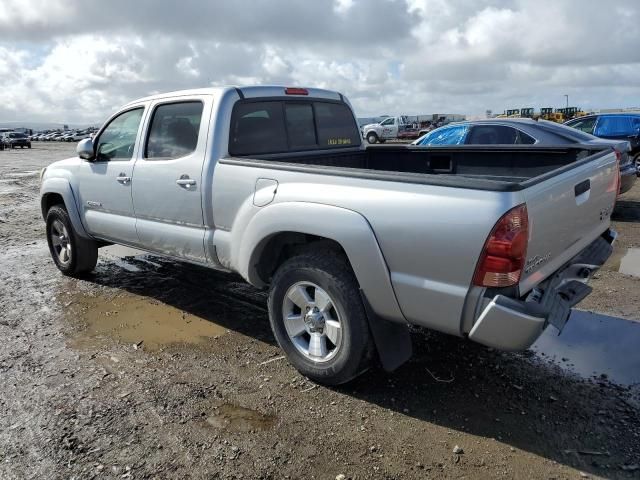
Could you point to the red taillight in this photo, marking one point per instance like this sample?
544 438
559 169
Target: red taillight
505 251
296 91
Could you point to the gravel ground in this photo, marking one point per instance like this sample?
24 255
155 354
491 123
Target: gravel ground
155 369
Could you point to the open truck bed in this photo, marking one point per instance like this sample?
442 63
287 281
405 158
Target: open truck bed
500 168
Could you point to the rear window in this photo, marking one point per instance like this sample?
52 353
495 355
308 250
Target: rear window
261 127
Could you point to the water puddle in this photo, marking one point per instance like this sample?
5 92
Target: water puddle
136 320
630 262
595 345
239 419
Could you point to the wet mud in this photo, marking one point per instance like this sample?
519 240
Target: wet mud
150 368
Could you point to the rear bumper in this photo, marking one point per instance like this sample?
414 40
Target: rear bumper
509 324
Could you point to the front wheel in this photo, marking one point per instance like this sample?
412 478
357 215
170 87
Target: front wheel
372 138
318 318
72 254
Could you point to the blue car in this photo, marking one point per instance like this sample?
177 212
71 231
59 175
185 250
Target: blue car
614 126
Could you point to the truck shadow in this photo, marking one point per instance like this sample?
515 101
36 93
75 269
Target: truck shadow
519 399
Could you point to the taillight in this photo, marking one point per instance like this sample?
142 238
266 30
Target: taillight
505 251
296 91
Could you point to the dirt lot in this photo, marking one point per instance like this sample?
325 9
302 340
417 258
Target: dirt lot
155 369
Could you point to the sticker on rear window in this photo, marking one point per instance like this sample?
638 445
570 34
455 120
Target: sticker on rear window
339 141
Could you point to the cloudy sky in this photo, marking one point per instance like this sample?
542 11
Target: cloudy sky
77 60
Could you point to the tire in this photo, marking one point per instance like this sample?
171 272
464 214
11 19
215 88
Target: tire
382 140
81 254
29 146
372 138
636 162
348 356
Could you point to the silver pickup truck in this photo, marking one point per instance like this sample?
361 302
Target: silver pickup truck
354 243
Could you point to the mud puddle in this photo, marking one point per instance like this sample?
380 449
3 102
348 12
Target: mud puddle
135 320
595 345
240 419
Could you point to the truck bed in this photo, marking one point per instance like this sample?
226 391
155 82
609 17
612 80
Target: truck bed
502 168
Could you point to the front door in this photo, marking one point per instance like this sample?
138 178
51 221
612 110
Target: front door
167 178
389 128
104 184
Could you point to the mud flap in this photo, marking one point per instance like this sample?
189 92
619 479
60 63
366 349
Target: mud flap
393 341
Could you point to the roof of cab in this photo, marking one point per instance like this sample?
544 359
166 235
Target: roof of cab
246 91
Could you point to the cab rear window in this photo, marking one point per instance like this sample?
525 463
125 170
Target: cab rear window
275 126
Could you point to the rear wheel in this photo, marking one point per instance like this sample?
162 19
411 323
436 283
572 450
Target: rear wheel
72 254
318 318
636 161
372 137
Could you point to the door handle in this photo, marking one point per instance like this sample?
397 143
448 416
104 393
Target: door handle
185 181
123 178
582 187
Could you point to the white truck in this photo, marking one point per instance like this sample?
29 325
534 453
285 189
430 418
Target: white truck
392 128
354 243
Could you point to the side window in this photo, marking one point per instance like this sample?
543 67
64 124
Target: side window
613 126
585 125
524 139
446 136
173 132
300 125
492 135
256 128
388 121
117 140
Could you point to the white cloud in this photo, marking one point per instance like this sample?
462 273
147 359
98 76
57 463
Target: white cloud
76 61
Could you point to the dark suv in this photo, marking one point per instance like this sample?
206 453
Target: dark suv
618 126
15 140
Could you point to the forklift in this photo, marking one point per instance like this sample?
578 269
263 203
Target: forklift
513 113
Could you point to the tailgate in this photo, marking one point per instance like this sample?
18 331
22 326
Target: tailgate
568 209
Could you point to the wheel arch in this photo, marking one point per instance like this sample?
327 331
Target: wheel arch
276 231
56 191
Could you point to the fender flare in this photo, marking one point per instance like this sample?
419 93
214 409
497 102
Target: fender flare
62 187
352 231
346 227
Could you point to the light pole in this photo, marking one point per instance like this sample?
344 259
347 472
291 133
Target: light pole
567 97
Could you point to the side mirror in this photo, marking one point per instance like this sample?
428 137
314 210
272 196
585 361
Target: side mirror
85 149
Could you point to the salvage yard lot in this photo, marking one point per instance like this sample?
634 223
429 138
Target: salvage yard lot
152 368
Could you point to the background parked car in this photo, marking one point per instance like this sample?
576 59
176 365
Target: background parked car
15 140
524 131
623 126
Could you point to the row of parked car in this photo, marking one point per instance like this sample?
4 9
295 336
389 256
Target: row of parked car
68 136
620 130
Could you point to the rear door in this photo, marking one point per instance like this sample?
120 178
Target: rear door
167 177
567 212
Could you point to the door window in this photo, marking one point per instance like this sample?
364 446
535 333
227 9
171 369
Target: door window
388 122
586 125
492 135
173 132
117 140
614 126
524 139
446 136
